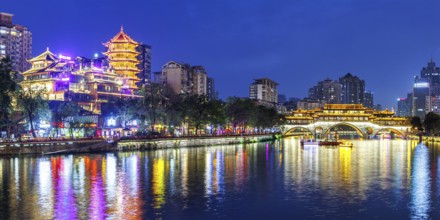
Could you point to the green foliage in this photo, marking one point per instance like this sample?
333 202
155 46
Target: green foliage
7 88
240 111
153 104
160 105
416 123
66 110
126 110
432 123
245 112
33 105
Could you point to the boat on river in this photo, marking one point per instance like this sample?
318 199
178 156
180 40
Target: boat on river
346 144
329 143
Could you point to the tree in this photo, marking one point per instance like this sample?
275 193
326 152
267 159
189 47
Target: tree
198 106
416 123
126 110
151 107
31 102
264 117
216 113
432 123
68 110
239 111
7 88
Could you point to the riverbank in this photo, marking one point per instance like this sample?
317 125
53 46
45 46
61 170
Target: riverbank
100 145
124 145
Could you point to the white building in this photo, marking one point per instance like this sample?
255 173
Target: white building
264 90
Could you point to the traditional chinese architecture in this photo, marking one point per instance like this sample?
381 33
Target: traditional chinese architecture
89 82
122 56
345 121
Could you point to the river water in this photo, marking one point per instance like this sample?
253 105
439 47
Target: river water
373 179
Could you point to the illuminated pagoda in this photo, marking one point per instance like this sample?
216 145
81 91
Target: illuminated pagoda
122 56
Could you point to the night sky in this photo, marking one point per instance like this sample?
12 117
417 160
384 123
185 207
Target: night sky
294 42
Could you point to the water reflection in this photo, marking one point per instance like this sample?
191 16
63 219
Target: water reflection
243 181
421 187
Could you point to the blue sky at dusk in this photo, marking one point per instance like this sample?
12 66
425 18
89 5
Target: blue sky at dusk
294 42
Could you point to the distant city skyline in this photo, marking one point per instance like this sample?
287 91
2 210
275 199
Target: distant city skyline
294 43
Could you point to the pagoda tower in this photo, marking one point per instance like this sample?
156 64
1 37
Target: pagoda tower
123 59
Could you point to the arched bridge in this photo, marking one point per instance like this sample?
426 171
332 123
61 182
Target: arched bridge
344 119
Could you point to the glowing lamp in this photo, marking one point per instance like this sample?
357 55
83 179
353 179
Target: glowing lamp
111 122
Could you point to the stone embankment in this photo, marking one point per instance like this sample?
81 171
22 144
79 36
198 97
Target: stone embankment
55 147
190 142
99 145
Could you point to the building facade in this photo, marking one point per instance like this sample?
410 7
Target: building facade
432 73
144 63
352 89
178 77
15 42
157 77
309 104
122 54
212 94
369 99
183 78
328 91
200 80
264 90
421 90
404 106
89 82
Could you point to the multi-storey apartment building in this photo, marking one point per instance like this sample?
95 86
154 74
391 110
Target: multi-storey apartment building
353 89
264 90
15 42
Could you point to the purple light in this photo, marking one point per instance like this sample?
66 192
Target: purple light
64 57
65 79
97 69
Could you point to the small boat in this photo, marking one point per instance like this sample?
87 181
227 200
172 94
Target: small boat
329 143
309 143
346 144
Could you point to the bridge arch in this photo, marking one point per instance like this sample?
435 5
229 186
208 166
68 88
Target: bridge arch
390 129
358 130
298 129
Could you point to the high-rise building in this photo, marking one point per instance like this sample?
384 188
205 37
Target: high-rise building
282 98
144 62
157 77
123 59
178 77
368 99
328 91
264 90
432 73
15 42
352 89
212 94
433 104
186 79
200 80
421 89
404 106
310 104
